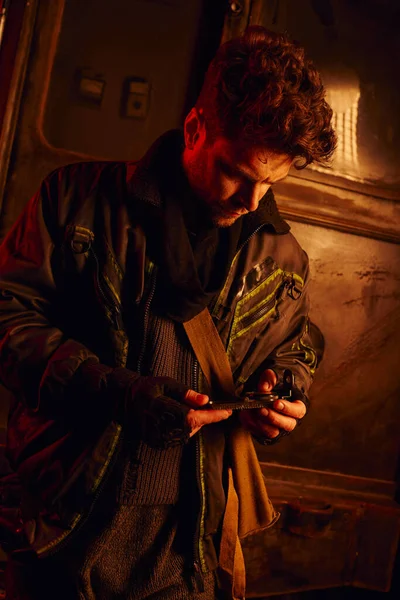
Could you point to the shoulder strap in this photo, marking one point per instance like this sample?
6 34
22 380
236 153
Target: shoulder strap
248 508
210 352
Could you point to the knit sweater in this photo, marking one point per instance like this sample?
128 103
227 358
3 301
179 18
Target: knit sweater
147 549
152 476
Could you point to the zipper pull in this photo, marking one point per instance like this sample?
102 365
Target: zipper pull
198 577
293 291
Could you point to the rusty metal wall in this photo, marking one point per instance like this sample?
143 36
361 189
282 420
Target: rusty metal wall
352 426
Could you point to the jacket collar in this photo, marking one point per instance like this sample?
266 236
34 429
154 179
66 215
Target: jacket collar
143 182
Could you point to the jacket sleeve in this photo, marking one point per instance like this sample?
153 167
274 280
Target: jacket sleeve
36 357
301 351
49 372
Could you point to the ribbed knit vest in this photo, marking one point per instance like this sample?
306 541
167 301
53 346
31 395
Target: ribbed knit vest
152 476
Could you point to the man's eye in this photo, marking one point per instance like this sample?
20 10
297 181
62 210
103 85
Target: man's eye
230 173
233 177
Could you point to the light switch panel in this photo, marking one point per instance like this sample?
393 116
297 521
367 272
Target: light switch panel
136 98
89 86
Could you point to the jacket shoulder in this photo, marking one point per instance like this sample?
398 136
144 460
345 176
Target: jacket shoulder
71 191
286 251
85 176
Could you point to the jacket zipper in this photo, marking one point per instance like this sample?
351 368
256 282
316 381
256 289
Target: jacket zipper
146 313
258 314
216 302
288 286
199 565
198 554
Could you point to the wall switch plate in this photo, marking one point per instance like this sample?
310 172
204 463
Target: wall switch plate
136 97
89 86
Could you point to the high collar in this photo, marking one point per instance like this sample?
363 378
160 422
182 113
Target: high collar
144 183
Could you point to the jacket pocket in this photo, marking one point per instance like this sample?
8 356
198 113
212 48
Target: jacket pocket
81 242
256 306
96 278
260 308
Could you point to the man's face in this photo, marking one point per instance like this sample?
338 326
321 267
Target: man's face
231 177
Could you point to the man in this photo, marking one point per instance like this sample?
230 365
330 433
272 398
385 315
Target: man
122 480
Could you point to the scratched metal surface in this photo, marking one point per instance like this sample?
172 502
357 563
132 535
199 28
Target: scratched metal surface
352 426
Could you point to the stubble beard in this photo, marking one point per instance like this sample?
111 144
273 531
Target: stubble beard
220 221
212 207
218 214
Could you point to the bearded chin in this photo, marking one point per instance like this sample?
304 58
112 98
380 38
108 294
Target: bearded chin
213 210
221 223
219 220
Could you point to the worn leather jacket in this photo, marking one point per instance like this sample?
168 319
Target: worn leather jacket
65 269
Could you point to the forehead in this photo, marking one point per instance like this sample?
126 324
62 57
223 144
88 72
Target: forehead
259 161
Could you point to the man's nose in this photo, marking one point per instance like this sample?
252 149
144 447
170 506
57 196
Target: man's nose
253 195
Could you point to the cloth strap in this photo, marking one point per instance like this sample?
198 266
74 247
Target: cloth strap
248 508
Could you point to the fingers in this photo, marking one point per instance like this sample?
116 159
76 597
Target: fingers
269 422
267 381
296 408
270 417
197 418
194 399
252 423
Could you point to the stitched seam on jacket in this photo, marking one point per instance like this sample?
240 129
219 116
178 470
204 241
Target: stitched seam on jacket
236 320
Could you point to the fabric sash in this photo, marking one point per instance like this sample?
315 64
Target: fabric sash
248 508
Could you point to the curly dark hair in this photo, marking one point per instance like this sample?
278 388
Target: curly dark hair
261 87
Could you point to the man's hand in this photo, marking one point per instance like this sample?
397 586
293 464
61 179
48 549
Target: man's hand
197 418
162 411
269 422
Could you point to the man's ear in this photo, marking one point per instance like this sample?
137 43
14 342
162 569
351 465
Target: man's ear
194 128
